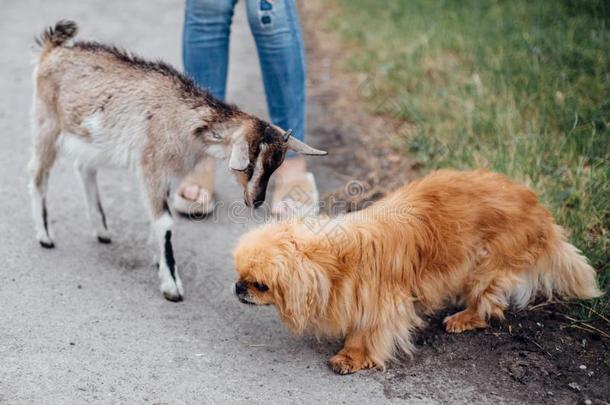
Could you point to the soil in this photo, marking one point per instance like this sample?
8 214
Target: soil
541 355
535 356
364 149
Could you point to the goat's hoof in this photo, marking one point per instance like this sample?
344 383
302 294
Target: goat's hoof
171 285
104 239
45 240
47 244
173 297
172 290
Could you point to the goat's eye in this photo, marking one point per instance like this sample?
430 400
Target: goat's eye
261 287
216 135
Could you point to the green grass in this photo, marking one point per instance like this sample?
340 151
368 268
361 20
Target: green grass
520 87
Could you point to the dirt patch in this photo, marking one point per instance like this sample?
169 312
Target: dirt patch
535 356
365 149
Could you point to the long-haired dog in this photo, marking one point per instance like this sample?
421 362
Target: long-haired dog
474 238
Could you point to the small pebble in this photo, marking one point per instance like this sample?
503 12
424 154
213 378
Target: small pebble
72 343
588 402
574 386
582 367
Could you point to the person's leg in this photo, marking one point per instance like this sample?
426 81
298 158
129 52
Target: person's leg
205 43
205 56
276 30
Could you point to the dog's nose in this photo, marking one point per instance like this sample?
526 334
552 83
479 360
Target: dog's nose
240 288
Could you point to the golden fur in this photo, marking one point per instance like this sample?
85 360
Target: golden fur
475 238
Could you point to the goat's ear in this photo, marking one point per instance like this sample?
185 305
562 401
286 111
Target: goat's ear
240 156
303 148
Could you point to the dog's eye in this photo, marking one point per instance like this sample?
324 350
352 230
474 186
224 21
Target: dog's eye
261 287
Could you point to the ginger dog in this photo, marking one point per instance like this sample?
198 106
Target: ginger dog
473 238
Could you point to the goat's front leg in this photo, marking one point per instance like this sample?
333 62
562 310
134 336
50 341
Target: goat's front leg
171 285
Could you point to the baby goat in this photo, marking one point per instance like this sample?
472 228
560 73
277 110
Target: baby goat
108 107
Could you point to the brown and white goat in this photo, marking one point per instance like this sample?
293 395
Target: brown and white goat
106 106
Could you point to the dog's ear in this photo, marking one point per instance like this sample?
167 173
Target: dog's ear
297 297
303 290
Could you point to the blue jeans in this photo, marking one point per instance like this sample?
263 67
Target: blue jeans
276 31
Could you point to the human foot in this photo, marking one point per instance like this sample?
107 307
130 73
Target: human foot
195 196
295 191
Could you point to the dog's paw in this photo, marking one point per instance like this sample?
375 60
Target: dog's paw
342 363
463 321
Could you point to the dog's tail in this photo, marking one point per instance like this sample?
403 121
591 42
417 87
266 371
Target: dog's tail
52 37
563 272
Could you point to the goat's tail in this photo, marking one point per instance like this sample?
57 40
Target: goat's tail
52 37
563 272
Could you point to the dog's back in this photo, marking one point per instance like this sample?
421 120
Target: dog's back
475 234
109 103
